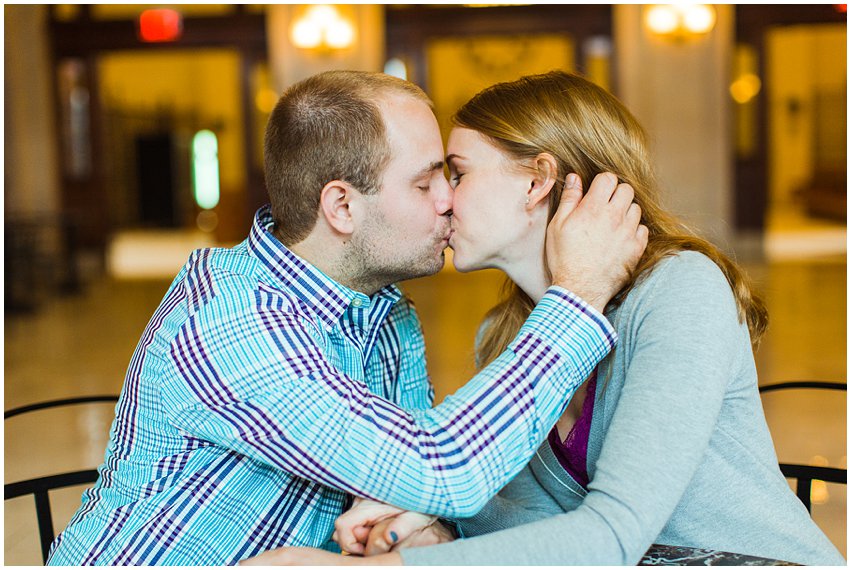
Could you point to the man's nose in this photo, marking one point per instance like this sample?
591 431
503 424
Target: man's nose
443 202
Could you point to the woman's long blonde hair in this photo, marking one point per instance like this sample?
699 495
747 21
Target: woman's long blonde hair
588 131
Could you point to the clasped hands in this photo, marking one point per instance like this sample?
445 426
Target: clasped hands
370 529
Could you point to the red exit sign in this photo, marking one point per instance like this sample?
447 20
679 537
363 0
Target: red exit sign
161 25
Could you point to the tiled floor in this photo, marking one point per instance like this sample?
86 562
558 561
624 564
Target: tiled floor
81 345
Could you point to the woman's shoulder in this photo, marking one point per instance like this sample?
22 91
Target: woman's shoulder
682 277
684 264
683 269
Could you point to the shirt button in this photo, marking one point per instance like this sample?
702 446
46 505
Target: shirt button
357 303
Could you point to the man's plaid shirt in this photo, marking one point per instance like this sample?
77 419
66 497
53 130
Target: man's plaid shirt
262 394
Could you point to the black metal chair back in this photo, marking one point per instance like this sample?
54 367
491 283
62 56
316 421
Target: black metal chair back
40 487
805 474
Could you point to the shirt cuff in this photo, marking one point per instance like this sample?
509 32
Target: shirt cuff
453 525
570 325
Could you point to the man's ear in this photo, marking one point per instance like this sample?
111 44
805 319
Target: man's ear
543 179
334 202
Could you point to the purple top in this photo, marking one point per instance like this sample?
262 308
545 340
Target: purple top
573 451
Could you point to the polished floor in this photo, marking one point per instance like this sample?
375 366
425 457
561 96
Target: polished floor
80 345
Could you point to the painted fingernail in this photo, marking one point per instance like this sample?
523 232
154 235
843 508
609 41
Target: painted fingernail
394 537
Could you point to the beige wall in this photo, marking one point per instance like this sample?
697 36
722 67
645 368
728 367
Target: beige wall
31 166
458 68
679 93
205 82
290 64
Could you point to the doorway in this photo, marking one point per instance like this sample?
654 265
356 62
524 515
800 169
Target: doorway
806 97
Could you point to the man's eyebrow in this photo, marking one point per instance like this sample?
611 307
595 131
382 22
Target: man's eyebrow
436 165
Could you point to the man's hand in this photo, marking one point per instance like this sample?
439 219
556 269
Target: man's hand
352 528
594 242
371 528
407 530
301 556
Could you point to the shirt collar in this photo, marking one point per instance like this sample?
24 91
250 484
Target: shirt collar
327 297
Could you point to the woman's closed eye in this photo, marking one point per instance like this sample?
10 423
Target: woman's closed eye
456 179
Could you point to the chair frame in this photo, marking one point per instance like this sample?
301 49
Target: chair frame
56 404
40 487
805 474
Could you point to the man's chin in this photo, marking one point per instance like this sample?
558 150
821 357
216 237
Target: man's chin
436 266
426 269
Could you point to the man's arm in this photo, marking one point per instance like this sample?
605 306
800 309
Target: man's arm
515 506
260 385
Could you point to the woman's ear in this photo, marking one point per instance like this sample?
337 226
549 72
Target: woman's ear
334 205
543 179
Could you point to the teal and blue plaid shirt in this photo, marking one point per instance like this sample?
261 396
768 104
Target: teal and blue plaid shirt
262 394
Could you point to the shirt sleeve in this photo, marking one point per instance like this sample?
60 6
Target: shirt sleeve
262 387
687 343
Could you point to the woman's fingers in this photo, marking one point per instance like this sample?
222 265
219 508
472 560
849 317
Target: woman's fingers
390 532
379 541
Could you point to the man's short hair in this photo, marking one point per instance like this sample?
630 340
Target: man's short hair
326 127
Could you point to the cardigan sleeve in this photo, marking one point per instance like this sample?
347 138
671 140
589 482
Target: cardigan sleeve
685 338
520 502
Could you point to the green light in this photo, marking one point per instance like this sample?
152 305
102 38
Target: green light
205 169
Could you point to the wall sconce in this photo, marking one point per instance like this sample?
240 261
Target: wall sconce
321 26
745 88
680 21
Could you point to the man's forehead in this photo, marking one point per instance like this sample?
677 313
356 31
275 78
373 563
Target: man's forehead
402 108
392 97
412 123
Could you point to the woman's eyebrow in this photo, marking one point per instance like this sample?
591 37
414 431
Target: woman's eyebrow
452 157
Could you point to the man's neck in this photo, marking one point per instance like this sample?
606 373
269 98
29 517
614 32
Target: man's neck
335 261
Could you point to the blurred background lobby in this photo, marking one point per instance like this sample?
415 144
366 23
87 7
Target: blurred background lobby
133 135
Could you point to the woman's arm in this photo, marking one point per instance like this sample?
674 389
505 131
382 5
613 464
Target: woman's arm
520 502
686 339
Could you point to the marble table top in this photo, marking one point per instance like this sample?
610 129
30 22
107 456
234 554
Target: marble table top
663 555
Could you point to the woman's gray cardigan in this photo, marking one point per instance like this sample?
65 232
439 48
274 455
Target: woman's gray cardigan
679 451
